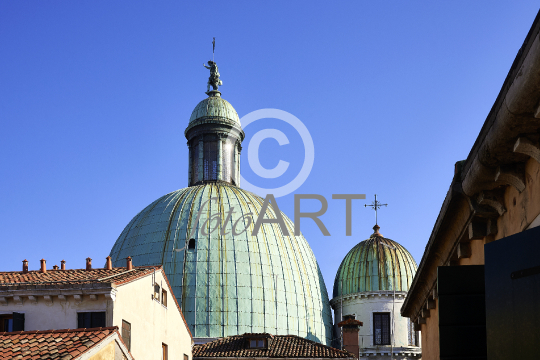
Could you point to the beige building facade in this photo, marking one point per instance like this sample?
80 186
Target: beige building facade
137 300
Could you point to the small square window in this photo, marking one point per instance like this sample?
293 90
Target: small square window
6 323
257 343
164 297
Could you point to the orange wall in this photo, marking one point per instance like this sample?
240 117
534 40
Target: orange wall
521 209
430 335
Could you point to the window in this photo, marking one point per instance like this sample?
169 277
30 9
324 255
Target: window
156 291
381 328
186 357
210 163
164 297
257 343
6 323
91 319
165 352
191 244
195 163
126 334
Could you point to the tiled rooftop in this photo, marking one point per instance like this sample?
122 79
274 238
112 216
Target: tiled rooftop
280 346
51 344
116 276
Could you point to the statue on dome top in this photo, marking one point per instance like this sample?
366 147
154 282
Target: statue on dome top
213 80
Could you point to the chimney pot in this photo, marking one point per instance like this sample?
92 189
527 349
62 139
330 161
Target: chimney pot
63 265
129 264
43 266
108 264
88 264
55 267
25 266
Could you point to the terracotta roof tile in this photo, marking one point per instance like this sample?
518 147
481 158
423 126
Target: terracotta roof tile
52 344
117 276
280 346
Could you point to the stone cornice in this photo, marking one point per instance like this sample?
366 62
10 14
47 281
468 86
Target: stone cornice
19 296
365 295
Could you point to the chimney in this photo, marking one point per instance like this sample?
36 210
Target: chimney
88 264
24 266
43 266
351 328
129 264
55 267
63 265
108 264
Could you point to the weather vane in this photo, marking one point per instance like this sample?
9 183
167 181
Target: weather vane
376 205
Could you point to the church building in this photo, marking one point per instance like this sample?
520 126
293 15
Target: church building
227 281
370 287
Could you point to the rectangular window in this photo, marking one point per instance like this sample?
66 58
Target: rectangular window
381 328
6 323
186 357
156 291
126 334
257 343
165 352
164 297
195 163
90 319
210 163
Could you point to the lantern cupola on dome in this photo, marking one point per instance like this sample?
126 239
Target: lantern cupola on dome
214 138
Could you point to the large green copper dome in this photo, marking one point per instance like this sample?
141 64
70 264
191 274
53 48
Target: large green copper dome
372 265
230 284
227 281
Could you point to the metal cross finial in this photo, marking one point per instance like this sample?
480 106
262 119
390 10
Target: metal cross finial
376 205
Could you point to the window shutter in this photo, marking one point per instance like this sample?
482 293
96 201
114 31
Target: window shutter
126 333
18 322
98 319
462 312
512 296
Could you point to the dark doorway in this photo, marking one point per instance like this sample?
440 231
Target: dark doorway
462 312
513 296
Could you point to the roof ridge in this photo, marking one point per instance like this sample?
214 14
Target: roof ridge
82 269
114 328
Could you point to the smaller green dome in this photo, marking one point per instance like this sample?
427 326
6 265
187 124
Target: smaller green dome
372 265
214 107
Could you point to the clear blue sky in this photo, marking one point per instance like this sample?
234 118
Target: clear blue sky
95 96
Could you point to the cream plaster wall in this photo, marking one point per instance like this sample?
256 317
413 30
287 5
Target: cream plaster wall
58 314
107 353
364 307
151 323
